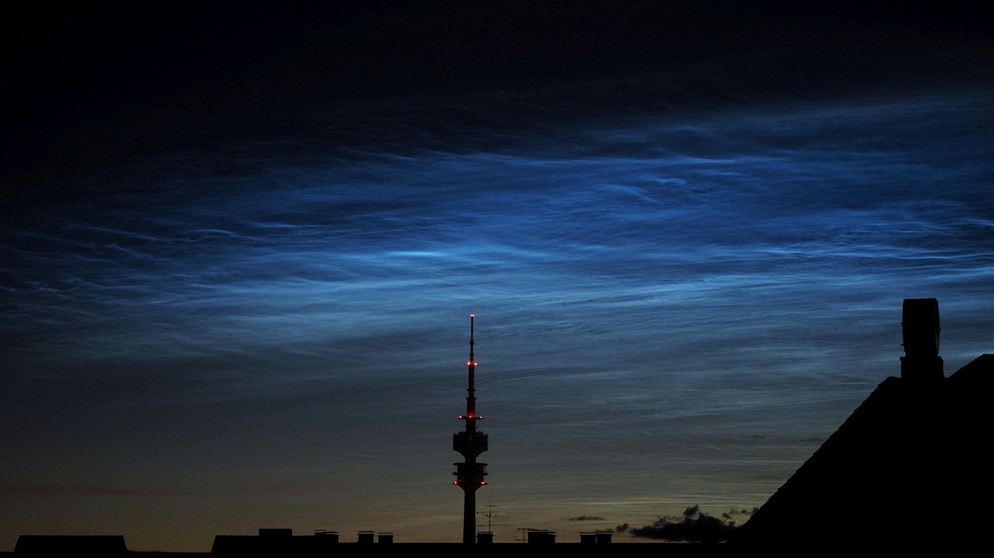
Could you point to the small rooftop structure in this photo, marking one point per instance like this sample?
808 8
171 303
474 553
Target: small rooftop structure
541 536
276 542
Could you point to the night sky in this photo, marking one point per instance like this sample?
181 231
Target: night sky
241 248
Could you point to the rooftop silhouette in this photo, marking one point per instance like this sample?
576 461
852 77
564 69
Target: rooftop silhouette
913 463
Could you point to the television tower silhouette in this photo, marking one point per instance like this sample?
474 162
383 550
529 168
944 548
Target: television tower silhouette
470 443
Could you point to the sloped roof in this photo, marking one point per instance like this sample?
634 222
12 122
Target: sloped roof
911 465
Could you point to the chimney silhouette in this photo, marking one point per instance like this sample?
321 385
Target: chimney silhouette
920 326
470 443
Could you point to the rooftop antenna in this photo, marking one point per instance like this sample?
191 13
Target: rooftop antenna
490 514
470 443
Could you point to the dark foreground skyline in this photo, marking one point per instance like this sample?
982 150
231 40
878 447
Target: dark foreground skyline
240 248
919 441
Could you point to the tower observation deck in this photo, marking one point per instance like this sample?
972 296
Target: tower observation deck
470 443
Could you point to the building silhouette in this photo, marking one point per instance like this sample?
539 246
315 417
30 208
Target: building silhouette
71 545
912 465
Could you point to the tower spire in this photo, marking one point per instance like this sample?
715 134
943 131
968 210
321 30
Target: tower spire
471 389
470 443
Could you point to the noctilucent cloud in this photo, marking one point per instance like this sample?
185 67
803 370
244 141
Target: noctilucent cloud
682 285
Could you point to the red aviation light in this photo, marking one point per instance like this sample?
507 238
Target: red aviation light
471 363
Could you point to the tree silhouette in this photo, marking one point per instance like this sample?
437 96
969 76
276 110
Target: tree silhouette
694 526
